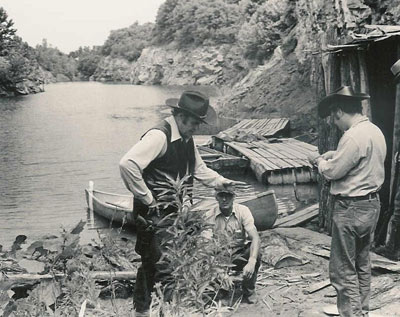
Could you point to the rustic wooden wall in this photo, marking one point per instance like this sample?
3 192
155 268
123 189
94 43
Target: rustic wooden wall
345 67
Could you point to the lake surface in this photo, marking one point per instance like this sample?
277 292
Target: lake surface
53 143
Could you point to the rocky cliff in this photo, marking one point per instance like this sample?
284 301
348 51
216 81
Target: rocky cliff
285 84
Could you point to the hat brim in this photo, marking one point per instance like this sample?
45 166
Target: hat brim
324 106
173 103
225 192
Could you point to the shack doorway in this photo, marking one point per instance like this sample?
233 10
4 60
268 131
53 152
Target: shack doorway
380 56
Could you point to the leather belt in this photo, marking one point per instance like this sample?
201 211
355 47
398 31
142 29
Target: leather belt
370 196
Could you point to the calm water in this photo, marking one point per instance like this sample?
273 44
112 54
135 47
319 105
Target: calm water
53 143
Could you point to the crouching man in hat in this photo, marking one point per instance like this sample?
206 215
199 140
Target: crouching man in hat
236 221
356 171
165 151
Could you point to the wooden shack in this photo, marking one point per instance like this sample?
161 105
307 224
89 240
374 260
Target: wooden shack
364 63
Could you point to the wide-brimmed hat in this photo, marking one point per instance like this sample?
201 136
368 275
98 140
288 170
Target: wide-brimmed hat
343 93
395 69
192 102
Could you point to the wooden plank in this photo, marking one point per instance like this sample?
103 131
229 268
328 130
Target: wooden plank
298 221
281 151
364 87
284 149
299 216
251 155
315 287
26 278
282 162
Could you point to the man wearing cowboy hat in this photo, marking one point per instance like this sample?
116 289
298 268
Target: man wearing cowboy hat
236 221
165 151
356 171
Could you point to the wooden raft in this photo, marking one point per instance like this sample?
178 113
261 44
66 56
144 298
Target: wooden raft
264 127
223 163
252 129
280 161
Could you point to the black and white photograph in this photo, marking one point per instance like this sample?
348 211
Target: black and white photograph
177 158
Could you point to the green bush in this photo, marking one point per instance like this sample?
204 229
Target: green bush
198 264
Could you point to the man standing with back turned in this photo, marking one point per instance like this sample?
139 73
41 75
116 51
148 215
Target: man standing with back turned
356 171
166 150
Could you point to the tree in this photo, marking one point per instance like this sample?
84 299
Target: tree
7 32
128 43
200 22
264 31
54 61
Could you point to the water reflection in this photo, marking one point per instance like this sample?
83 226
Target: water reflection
53 143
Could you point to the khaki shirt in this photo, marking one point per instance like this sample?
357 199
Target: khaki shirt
237 225
357 166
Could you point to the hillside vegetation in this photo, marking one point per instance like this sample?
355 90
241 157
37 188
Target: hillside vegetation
264 54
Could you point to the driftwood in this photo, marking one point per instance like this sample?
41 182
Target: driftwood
299 217
26 278
318 286
276 253
318 244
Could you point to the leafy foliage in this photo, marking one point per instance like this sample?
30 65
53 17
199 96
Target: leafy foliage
54 61
128 42
263 32
197 22
71 265
7 31
88 60
197 264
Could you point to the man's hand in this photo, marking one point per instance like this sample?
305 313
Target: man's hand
313 158
248 270
328 155
230 182
153 207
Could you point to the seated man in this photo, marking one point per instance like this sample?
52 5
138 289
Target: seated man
238 222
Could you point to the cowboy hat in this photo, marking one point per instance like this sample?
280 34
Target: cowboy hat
344 92
395 69
192 102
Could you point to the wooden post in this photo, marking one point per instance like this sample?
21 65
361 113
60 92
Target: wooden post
396 128
328 136
364 87
345 78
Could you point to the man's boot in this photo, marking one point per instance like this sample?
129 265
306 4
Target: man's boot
392 249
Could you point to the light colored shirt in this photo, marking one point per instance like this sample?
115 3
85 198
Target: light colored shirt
154 145
357 166
237 225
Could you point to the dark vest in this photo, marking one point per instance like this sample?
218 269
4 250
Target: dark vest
178 158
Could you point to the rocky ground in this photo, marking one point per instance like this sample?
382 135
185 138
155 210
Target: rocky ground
296 285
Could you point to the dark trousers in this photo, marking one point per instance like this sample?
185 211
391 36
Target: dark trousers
248 285
148 246
353 226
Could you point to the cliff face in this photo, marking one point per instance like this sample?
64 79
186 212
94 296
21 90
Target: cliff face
285 85
169 66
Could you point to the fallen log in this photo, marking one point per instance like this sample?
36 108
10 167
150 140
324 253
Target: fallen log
276 253
26 278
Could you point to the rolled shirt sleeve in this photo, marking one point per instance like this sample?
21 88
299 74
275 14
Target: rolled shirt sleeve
152 145
206 175
247 219
343 160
